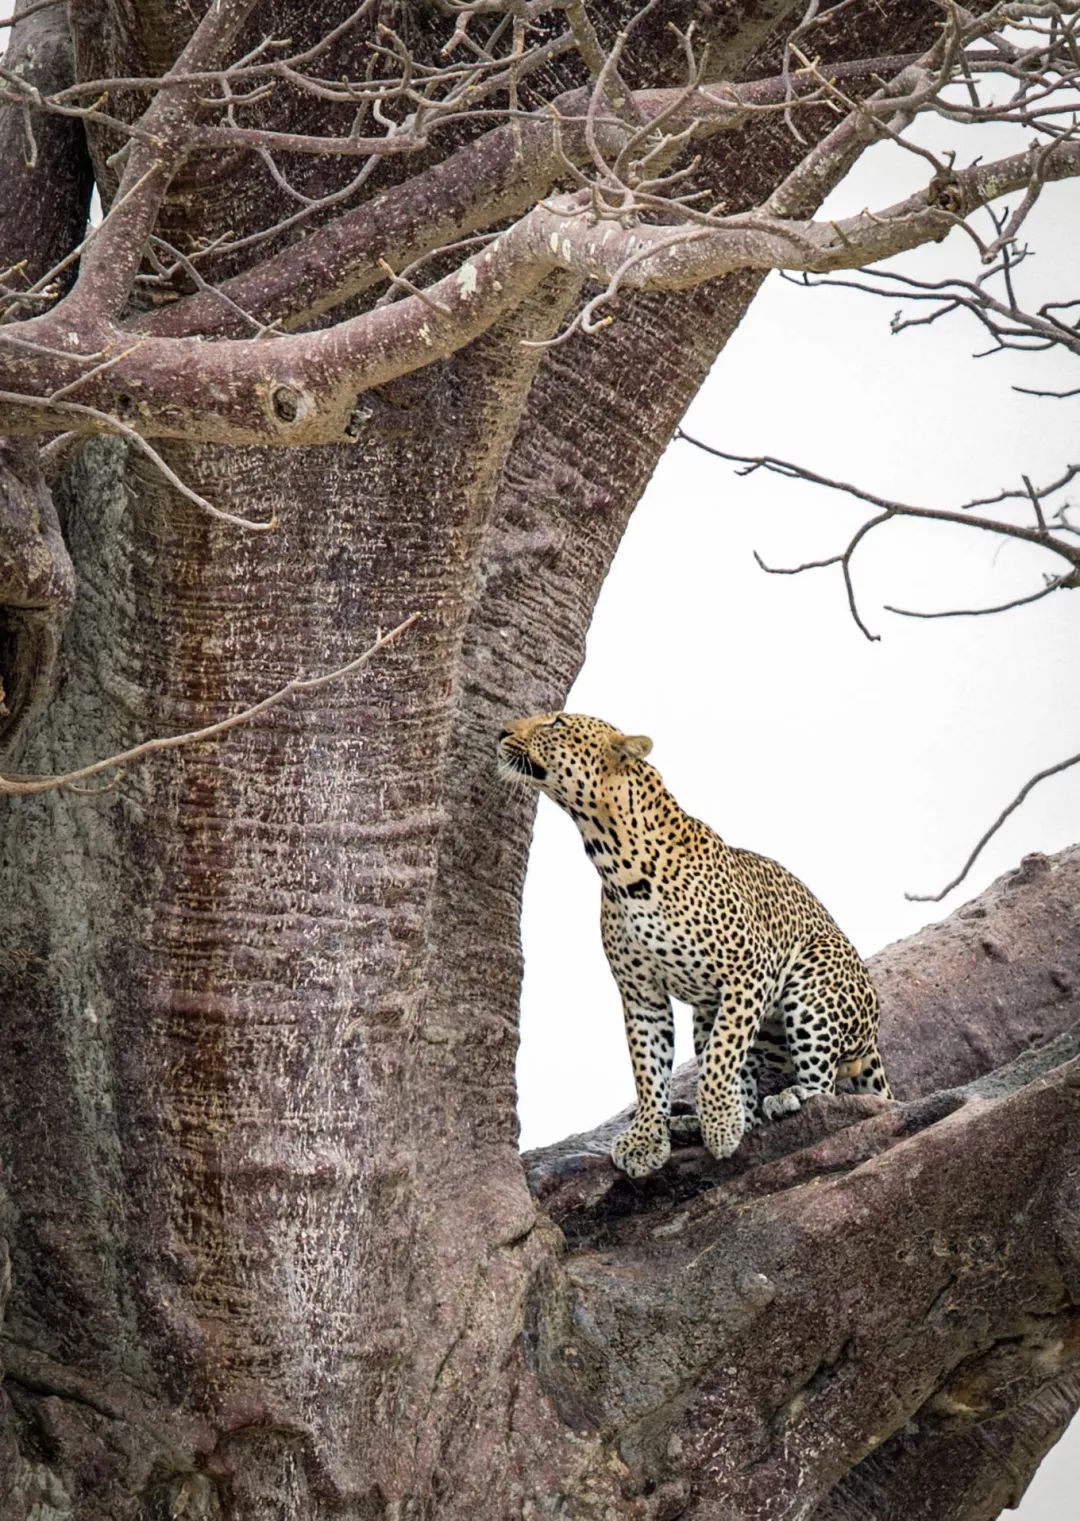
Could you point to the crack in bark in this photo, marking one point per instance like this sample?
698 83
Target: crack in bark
56 1387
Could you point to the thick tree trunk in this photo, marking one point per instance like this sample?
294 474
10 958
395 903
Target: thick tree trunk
272 1250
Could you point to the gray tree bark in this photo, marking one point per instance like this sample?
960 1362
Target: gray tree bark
271 1251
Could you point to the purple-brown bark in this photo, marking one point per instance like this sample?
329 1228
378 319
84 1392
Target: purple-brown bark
273 1253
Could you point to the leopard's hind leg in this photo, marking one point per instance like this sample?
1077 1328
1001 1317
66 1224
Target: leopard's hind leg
828 1010
871 1075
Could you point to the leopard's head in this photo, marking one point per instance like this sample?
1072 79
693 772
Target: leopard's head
570 756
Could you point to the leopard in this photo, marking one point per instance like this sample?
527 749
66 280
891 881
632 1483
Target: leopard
774 984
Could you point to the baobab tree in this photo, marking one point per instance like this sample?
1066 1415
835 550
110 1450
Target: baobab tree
388 315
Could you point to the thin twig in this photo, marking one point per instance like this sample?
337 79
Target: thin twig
110 424
1040 776
399 282
1054 583
22 786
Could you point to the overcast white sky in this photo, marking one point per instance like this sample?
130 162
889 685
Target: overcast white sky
867 769
870 769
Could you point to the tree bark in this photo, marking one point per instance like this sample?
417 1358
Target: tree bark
36 231
272 1249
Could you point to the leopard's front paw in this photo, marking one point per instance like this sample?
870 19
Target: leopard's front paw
785 1102
641 1150
721 1134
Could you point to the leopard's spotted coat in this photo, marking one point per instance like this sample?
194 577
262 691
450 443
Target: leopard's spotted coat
772 980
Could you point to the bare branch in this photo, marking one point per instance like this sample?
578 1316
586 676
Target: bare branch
45 289
384 146
1040 776
323 372
1053 584
637 222
215 292
400 282
20 92
888 509
1009 324
1044 492
844 562
23 786
110 261
498 176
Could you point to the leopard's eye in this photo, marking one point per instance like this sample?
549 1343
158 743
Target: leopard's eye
557 723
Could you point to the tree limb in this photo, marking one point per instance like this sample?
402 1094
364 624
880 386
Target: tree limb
673 1323
110 260
499 175
303 388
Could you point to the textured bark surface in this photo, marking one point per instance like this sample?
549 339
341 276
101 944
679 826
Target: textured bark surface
36 230
272 1250
47 175
37 589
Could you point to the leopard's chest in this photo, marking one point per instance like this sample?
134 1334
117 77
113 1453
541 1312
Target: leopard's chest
677 933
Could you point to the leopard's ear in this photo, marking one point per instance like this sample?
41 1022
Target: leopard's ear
630 747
